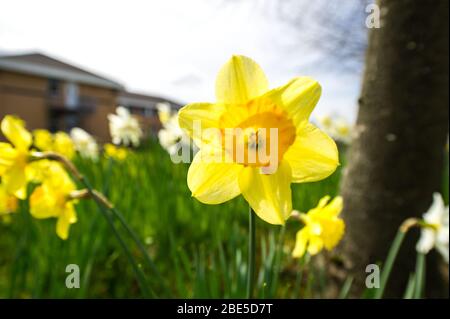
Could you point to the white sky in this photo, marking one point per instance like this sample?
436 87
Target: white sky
173 48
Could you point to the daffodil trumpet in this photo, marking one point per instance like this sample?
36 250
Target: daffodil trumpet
36 156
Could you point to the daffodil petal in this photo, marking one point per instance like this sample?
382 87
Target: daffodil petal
313 156
7 156
16 133
71 214
43 139
42 205
62 227
334 233
240 80
298 97
315 245
63 145
323 201
195 118
213 182
269 195
301 243
427 240
14 180
334 208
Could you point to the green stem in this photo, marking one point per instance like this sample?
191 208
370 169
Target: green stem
299 277
393 251
420 276
251 253
409 292
137 270
141 247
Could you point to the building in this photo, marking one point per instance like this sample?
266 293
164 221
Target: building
49 93
144 107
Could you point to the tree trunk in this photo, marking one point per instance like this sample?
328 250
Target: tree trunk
396 159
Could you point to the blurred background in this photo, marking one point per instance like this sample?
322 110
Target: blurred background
171 50
66 64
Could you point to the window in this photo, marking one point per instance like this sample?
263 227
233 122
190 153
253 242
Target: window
71 95
54 87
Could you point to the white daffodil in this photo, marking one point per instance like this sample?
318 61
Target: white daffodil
325 121
171 137
436 231
124 128
84 143
337 127
342 130
164 112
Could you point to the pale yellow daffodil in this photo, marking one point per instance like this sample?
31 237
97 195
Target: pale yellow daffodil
115 152
323 228
59 142
8 202
164 112
43 139
14 157
54 199
245 106
63 144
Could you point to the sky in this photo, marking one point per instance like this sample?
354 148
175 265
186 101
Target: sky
171 48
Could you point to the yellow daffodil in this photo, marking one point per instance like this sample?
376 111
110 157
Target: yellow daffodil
63 145
117 153
59 142
54 199
323 228
43 139
8 202
245 110
14 157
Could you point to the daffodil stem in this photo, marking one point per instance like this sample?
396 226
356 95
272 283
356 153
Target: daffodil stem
141 247
104 210
393 252
251 253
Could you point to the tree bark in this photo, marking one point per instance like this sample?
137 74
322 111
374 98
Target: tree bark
396 159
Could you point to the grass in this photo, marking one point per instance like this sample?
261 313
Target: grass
199 251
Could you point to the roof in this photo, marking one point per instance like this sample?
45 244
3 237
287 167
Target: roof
46 66
127 98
